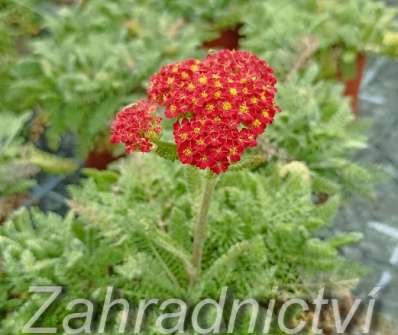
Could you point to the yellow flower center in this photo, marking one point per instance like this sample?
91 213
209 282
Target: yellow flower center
233 91
226 106
243 108
256 123
191 86
217 83
203 80
202 121
233 151
188 152
210 107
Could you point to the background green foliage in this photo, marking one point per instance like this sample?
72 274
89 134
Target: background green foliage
18 23
318 128
15 168
20 161
89 58
94 58
340 29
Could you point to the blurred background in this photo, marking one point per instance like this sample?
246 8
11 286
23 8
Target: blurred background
66 68
378 219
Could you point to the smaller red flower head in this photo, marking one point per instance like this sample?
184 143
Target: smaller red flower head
136 126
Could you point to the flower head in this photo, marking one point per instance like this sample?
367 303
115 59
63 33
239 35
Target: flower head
135 126
223 103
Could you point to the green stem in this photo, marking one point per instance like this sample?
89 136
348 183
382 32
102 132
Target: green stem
200 228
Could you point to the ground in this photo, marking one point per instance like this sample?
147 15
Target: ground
378 220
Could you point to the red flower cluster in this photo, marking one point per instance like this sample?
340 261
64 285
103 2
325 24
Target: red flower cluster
223 102
135 126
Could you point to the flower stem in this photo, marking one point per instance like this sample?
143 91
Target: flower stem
200 228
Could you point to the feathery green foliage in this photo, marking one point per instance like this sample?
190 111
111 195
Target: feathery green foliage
329 32
132 229
316 126
20 161
19 21
94 58
15 169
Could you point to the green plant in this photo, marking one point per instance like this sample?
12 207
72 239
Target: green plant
15 171
20 161
134 232
176 231
316 126
94 58
339 30
141 226
19 21
213 15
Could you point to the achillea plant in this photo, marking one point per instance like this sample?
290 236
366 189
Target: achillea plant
220 106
